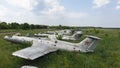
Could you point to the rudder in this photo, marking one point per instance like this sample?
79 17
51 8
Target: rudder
88 44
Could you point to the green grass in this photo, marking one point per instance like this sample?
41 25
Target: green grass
106 55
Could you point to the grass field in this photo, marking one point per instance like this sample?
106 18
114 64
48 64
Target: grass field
106 55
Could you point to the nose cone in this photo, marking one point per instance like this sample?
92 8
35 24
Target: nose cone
6 37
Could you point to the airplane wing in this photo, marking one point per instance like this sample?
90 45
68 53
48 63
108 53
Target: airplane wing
33 52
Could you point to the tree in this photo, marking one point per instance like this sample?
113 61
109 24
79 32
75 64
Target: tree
3 25
14 25
32 26
25 26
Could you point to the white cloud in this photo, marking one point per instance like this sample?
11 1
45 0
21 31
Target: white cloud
52 14
52 7
118 1
100 3
25 4
22 16
55 10
118 6
3 10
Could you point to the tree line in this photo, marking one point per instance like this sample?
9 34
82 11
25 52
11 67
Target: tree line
24 26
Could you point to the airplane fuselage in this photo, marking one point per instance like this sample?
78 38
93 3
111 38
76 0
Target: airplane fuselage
57 44
86 45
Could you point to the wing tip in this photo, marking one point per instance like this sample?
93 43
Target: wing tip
21 56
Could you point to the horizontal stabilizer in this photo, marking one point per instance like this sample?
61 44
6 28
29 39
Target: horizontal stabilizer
93 37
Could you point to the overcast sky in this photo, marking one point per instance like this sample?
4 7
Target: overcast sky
102 13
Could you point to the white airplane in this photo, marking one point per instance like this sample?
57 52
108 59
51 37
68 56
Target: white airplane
75 36
40 47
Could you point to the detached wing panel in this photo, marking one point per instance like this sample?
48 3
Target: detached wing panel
33 52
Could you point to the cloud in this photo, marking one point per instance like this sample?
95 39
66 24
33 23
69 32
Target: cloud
54 10
118 5
52 7
3 10
100 3
25 4
6 13
52 14
9 15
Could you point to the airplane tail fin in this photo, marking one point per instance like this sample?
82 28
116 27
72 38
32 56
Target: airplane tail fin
77 35
88 44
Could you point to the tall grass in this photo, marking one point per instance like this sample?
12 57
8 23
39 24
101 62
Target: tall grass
106 55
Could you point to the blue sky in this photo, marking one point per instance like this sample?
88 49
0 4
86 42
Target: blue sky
99 13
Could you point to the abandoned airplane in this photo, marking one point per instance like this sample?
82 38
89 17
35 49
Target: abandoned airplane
40 47
75 36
